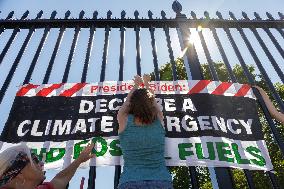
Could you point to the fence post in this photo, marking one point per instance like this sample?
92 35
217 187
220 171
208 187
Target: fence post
220 177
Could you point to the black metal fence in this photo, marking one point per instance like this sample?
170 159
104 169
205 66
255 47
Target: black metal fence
192 63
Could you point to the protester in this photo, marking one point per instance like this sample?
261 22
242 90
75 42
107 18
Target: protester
142 140
21 169
271 108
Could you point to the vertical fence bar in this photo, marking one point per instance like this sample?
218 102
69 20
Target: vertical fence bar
92 178
206 51
195 68
277 28
138 47
249 179
10 15
170 49
281 15
105 53
12 37
267 52
17 60
154 49
271 36
89 48
73 46
122 48
38 51
54 53
273 180
92 172
259 65
1 30
191 54
221 50
117 171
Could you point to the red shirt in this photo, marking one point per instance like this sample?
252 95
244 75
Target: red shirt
45 185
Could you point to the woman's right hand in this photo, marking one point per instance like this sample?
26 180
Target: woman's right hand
137 80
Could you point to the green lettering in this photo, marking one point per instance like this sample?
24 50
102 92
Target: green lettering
182 152
50 155
78 149
223 152
40 155
210 148
115 150
238 156
254 152
104 146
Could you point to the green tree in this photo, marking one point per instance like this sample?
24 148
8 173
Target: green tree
181 174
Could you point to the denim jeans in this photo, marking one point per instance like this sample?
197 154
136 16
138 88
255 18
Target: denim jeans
147 184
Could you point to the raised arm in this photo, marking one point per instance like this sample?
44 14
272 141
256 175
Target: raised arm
147 79
124 109
271 108
61 180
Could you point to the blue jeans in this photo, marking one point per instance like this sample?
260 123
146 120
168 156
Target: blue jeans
147 184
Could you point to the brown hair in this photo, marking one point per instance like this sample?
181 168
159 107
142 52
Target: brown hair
142 106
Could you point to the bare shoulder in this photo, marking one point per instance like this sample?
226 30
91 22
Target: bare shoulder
121 119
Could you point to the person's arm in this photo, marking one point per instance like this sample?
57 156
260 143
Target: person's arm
61 180
270 106
124 109
147 79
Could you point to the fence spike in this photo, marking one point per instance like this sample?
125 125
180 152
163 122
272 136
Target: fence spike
245 15
193 15
206 14
67 14
53 14
232 15
269 16
25 15
10 15
219 15
177 7
163 14
257 16
150 14
81 15
39 15
136 14
95 15
123 14
109 13
281 15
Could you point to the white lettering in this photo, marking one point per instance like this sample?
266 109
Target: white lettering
34 131
173 122
170 104
20 128
83 109
66 127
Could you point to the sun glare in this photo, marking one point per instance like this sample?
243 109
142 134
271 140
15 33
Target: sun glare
193 38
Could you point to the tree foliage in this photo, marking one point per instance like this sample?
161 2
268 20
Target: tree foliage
181 179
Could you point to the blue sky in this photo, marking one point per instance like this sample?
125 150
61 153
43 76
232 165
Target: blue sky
105 174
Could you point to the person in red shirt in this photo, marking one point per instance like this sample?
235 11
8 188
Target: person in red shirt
21 169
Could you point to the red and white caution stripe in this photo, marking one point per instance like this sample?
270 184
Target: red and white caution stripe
161 87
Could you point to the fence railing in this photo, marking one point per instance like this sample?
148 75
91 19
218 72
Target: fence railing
182 24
